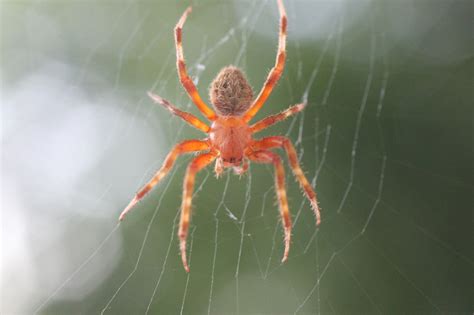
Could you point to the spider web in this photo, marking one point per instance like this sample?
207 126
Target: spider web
382 140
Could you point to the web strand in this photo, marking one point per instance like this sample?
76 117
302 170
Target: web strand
360 114
317 254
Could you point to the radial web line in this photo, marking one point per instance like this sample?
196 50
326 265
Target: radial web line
442 243
216 219
246 34
242 231
78 269
328 127
424 231
299 140
150 45
267 271
311 239
230 33
316 285
383 89
142 247
122 52
265 196
80 77
169 248
318 293
304 98
379 194
156 82
313 181
124 49
360 285
359 120
236 276
323 158
163 267
259 264
331 306
293 17
336 61
93 51
101 43
379 126
417 226
334 254
315 72
325 263
404 276
145 238
139 102
213 265
132 119
317 122
248 188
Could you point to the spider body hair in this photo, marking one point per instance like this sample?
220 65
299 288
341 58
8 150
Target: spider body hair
230 93
230 142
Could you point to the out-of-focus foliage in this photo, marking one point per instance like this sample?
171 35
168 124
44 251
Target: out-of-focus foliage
386 139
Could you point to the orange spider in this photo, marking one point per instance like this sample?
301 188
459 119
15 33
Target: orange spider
229 140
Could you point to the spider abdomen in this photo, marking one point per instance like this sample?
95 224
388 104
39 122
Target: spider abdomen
230 92
230 142
230 136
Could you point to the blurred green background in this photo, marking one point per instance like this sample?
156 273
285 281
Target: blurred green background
386 139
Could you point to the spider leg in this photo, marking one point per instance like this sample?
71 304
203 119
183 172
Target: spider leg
241 169
195 166
270 120
276 71
271 157
189 118
285 143
183 147
186 81
219 167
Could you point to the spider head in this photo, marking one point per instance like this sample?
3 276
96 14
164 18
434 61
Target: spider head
230 92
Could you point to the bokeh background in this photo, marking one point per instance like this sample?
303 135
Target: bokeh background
386 139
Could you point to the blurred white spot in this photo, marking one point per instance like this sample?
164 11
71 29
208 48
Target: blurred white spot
65 160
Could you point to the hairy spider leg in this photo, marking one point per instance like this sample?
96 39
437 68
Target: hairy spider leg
270 120
271 157
285 143
189 118
276 71
181 148
186 81
197 164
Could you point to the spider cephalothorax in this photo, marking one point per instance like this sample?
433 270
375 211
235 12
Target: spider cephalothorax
230 142
230 92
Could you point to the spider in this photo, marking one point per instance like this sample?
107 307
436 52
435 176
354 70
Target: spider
229 139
